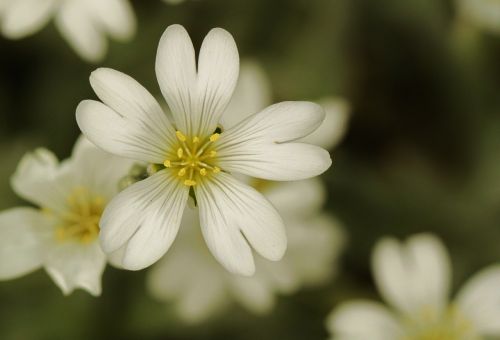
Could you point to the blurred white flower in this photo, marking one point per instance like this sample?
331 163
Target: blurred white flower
484 14
201 287
253 93
414 279
85 24
61 236
194 155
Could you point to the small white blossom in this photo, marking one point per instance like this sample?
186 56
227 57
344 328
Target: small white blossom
60 235
193 153
85 24
414 279
201 287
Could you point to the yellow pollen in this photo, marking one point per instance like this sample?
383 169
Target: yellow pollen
180 152
189 182
180 136
79 221
193 158
214 137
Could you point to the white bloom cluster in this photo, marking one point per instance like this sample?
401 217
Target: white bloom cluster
60 235
414 278
85 24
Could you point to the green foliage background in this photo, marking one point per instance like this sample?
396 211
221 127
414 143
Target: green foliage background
422 152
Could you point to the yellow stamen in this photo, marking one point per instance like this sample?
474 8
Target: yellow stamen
214 137
203 171
189 182
212 153
180 136
196 139
180 152
167 164
216 170
182 172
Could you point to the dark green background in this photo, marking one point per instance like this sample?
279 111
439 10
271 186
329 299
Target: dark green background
422 152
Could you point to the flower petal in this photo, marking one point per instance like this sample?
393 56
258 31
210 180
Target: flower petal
134 104
218 68
252 95
314 246
276 162
176 73
102 180
256 147
37 180
298 198
23 236
334 127
115 16
197 99
360 320
479 300
80 31
228 210
146 217
414 275
253 293
114 134
24 17
72 265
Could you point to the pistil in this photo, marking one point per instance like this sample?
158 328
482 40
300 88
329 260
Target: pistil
193 160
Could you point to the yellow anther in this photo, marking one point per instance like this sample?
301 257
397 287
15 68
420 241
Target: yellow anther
99 201
180 152
214 137
212 153
216 170
180 136
182 172
203 172
196 139
60 234
189 182
167 164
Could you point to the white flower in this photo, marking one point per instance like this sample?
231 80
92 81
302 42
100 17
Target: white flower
194 154
482 13
61 236
414 279
201 287
84 24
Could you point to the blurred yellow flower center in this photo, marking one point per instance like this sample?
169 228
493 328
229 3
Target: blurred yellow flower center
193 158
429 324
80 222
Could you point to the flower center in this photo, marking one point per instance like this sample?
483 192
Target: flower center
429 324
193 158
80 222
